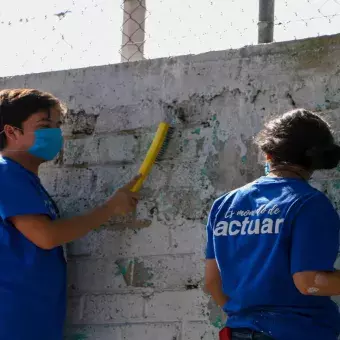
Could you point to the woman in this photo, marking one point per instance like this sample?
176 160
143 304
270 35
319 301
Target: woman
272 244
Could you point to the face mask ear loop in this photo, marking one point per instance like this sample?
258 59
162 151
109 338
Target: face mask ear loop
267 168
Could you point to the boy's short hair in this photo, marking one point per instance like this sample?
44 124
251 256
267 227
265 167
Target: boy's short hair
17 105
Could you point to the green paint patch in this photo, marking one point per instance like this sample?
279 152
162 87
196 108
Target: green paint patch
336 184
122 270
321 107
244 159
186 142
196 131
218 322
214 117
77 336
204 172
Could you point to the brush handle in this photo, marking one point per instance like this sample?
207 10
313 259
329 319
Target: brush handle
152 154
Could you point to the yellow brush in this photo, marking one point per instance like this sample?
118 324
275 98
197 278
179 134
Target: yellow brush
156 150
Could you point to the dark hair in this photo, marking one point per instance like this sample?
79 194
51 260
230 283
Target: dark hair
300 137
17 105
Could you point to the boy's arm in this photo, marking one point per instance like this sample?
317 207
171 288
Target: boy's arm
48 234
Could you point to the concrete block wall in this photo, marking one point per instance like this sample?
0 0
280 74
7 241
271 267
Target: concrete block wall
141 277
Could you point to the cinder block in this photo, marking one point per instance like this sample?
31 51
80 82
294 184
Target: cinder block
101 332
75 309
74 182
188 305
88 275
168 272
190 174
184 204
107 242
72 205
81 151
188 237
121 148
104 309
100 150
48 176
158 179
79 122
200 330
128 116
163 331
160 272
111 178
183 144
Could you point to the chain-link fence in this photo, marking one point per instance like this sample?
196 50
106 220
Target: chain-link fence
297 19
170 27
166 28
50 35
133 29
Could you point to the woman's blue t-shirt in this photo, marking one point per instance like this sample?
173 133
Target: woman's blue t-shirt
261 235
32 280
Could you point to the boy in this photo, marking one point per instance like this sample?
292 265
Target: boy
32 264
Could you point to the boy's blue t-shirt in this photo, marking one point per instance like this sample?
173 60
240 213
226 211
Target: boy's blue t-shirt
32 280
262 234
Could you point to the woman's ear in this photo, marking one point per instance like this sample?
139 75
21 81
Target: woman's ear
268 158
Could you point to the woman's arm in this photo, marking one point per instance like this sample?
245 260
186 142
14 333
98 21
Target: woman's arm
213 282
318 283
314 248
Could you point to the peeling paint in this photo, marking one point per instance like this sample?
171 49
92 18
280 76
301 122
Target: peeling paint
196 131
77 336
125 268
336 184
216 315
141 275
217 322
204 172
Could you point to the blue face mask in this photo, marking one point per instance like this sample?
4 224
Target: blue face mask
47 144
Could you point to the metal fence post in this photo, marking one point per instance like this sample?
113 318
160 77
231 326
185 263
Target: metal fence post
133 30
266 21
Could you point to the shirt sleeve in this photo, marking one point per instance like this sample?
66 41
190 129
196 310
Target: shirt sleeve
20 197
210 251
315 236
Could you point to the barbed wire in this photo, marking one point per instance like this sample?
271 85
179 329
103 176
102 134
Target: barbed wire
97 32
306 18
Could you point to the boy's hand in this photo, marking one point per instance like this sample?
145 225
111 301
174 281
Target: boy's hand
124 201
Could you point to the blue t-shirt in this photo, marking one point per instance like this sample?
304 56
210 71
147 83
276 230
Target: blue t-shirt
262 234
32 280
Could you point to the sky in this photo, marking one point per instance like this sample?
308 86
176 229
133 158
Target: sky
35 39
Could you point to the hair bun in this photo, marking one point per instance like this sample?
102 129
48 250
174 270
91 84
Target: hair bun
323 158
